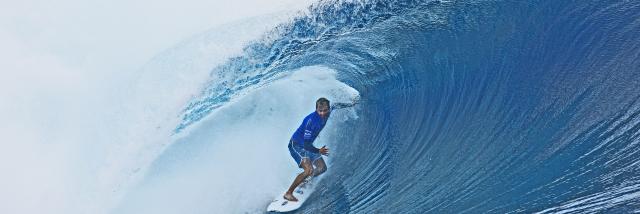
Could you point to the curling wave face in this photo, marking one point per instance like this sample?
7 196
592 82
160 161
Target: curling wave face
482 106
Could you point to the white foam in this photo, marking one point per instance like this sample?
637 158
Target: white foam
78 131
239 158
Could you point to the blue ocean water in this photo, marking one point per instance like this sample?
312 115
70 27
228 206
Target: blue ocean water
465 107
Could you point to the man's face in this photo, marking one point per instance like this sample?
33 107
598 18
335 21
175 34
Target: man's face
323 111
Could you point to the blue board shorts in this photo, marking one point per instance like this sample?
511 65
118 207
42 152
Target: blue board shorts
298 153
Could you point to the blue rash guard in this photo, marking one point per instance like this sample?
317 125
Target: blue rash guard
308 132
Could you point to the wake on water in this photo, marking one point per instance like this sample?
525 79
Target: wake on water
476 107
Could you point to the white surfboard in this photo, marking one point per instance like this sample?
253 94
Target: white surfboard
279 204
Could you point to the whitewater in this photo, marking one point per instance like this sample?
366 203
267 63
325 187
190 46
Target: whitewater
462 107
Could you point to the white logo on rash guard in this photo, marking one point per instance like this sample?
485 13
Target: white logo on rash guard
307 131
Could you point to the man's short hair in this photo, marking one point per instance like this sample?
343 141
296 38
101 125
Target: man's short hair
322 102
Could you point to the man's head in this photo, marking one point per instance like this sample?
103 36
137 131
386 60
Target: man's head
322 107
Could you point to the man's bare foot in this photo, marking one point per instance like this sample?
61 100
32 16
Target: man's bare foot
290 197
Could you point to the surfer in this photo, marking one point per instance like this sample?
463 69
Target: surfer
307 156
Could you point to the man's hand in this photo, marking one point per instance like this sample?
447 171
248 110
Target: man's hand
324 151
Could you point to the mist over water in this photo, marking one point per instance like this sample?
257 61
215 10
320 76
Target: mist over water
87 105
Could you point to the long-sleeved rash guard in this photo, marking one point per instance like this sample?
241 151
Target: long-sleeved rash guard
308 131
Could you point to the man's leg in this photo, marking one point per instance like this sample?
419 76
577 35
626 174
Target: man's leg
308 171
321 167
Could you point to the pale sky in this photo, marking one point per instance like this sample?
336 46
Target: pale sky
95 36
